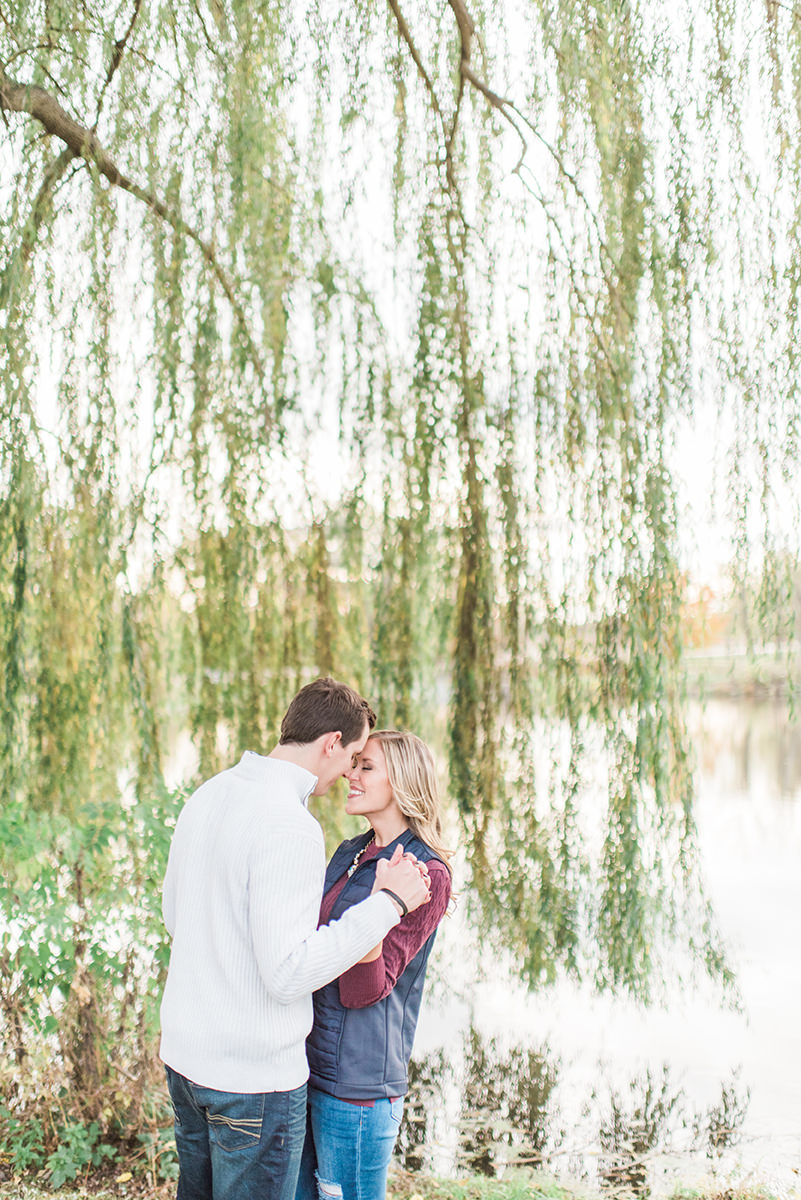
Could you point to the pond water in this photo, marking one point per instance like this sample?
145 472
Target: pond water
597 1087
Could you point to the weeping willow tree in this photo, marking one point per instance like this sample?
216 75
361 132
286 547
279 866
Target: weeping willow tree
358 338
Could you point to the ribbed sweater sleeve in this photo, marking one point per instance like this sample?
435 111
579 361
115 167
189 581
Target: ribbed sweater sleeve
295 958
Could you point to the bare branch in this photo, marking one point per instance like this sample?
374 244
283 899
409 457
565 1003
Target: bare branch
116 58
467 26
792 9
467 29
8 25
403 29
447 133
84 143
512 114
495 100
209 43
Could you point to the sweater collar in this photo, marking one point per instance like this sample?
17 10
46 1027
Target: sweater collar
298 778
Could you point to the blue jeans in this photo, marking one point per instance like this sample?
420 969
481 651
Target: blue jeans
236 1146
348 1148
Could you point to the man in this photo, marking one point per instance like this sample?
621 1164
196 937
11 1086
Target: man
241 902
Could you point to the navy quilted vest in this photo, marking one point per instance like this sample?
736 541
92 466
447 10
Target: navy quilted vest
363 1053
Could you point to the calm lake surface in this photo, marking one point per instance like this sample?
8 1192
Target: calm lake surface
598 1087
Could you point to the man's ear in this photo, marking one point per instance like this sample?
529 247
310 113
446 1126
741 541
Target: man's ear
331 742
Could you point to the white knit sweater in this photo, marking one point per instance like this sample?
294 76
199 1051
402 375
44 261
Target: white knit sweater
241 901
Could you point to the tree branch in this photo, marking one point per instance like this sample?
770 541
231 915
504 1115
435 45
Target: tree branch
50 178
467 29
495 100
84 143
512 114
447 134
403 29
792 9
10 284
467 26
211 47
116 58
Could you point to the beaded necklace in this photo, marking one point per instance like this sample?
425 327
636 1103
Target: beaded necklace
358 855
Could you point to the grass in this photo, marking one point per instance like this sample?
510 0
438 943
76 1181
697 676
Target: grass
121 1185
527 1186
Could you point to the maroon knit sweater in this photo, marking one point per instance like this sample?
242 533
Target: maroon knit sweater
366 983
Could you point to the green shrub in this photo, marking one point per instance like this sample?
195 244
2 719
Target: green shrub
82 958
79 1147
22 1142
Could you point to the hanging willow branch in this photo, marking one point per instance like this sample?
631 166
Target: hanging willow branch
467 29
54 173
82 142
405 33
494 545
515 117
116 58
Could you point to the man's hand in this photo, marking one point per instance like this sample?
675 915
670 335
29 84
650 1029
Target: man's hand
401 874
421 866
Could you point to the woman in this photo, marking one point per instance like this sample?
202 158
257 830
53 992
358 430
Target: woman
364 1022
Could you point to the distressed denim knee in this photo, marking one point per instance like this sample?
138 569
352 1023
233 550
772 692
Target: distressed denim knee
326 1190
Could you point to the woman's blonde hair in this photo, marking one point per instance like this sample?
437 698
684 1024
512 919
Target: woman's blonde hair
412 776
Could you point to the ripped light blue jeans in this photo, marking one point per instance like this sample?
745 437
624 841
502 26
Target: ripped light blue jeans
348 1148
236 1146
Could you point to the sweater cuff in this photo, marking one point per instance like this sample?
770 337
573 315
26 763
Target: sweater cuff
390 906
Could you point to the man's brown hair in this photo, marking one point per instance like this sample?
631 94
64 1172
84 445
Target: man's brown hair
324 706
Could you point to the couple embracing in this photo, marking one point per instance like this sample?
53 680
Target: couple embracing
293 991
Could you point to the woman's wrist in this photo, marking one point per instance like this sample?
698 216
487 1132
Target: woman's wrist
401 905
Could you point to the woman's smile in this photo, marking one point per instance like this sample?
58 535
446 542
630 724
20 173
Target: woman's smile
370 793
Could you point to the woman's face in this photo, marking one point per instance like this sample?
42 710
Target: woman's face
369 793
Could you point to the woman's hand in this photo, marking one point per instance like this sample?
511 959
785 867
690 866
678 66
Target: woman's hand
402 875
421 867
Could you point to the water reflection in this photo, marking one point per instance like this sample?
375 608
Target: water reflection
505 1107
748 748
493 1109
634 1128
415 1137
720 1127
748 774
